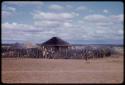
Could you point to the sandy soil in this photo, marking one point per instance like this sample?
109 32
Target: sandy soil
28 70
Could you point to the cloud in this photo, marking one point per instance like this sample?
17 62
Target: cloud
69 23
15 31
8 8
69 6
96 18
24 32
105 11
104 27
58 25
16 26
120 32
6 14
47 23
101 18
20 3
81 8
117 18
11 9
65 25
56 7
53 20
53 16
8 11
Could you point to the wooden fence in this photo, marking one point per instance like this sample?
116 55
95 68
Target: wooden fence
73 52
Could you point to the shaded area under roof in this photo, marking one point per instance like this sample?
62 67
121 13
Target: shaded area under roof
55 41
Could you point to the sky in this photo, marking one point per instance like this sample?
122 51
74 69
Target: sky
78 22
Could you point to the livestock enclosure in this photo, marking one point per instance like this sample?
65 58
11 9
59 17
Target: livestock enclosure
49 52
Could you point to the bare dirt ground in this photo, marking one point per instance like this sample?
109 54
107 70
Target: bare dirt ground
29 70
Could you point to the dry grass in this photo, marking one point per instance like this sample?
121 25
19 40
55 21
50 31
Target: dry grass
27 70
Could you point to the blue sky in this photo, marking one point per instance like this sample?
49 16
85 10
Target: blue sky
75 22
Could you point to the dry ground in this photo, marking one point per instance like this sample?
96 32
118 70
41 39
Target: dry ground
28 70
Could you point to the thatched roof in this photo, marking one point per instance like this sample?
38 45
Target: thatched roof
55 41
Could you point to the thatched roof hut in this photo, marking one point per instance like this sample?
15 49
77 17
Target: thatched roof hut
56 43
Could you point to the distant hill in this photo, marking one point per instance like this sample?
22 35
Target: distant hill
100 45
6 44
